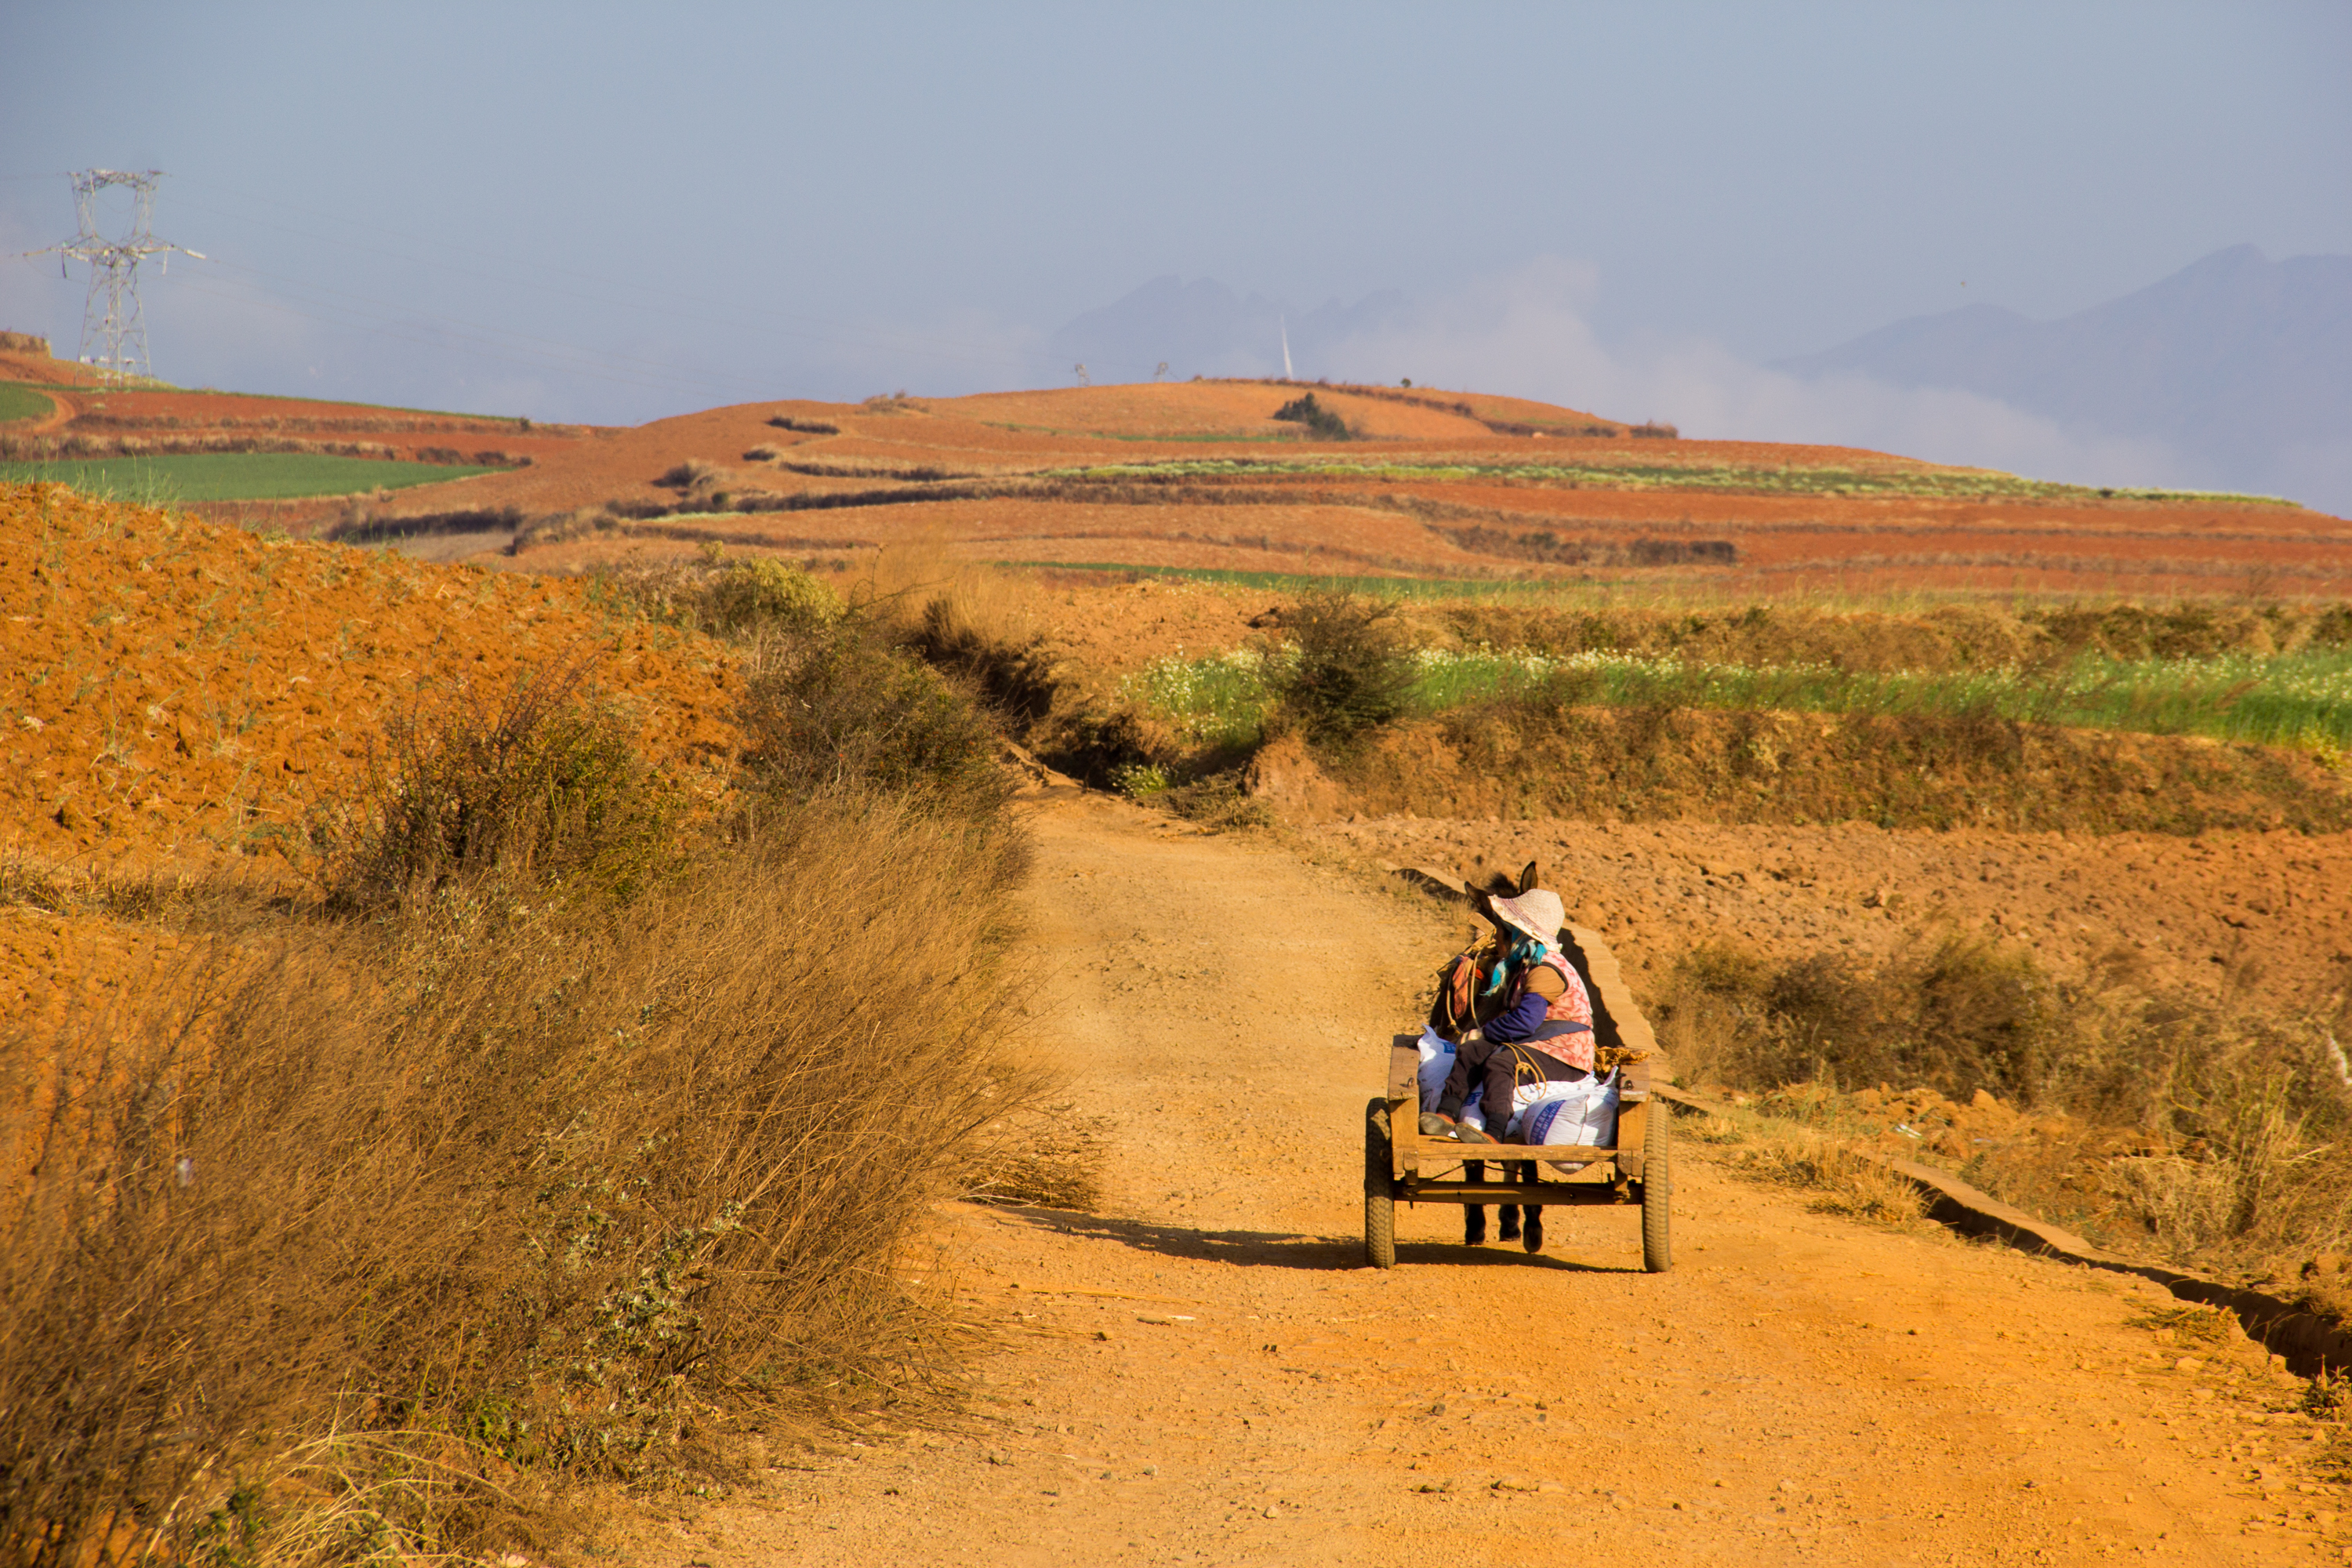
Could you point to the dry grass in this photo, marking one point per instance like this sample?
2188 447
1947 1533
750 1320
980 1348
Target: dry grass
2197 1130
353 1238
1843 1182
1046 1155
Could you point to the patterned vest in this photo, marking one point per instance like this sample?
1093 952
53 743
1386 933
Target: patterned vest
1566 1033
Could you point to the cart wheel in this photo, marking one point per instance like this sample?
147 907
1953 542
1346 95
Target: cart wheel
1379 1192
1657 1190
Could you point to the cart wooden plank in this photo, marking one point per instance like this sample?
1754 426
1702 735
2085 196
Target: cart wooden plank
1543 1195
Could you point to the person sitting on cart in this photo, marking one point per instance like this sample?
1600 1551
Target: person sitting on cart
1538 1019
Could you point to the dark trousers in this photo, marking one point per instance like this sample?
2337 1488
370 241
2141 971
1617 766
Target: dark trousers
1498 1068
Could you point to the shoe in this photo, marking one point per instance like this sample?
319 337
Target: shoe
1532 1237
1434 1125
1465 1133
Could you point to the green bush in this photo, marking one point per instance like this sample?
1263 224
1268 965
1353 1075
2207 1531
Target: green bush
765 592
1347 670
1320 422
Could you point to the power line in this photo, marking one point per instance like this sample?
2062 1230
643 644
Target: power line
111 316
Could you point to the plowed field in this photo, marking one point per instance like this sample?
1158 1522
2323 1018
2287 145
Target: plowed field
177 692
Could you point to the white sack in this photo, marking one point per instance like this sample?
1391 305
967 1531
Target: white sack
1436 1066
1583 1113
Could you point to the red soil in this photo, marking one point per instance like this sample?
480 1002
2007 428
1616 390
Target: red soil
2268 913
177 693
48 372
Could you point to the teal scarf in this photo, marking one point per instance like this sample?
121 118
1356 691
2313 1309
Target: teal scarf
1526 950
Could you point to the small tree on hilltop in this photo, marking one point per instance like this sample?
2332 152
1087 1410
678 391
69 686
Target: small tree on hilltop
1326 424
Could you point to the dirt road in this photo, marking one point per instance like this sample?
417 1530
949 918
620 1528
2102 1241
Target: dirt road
1206 1372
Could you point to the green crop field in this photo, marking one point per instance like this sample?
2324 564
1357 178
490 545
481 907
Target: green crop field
233 475
19 402
2302 698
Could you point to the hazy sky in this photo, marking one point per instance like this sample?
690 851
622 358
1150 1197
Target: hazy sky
612 213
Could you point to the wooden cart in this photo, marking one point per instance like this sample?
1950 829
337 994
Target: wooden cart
1402 1167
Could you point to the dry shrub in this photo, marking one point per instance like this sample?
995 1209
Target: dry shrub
981 627
702 485
536 1178
688 473
542 783
904 575
2249 1166
848 709
975 623
1951 1011
767 595
1046 1155
355 1238
743 599
805 427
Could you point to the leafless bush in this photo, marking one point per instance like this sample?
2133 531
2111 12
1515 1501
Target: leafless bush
1046 1155
805 427
691 474
1955 1013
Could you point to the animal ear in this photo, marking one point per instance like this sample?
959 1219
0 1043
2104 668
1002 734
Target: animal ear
1530 878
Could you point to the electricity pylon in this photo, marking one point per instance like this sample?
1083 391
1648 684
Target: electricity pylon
112 322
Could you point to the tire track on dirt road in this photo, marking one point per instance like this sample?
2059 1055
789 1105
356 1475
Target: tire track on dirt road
1203 1372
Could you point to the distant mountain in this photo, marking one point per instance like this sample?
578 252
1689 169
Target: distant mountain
1203 327
2241 365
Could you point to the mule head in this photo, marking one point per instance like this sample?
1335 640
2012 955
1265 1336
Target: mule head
1498 886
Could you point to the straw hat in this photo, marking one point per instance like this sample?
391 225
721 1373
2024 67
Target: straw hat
1538 912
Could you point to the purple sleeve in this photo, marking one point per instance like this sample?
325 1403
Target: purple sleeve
1522 1021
